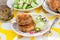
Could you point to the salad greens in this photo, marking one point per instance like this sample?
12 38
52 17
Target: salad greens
40 23
25 4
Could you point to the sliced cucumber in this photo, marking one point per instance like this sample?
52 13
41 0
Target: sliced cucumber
33 4
25 0
16 1
25 5
15 6
28 7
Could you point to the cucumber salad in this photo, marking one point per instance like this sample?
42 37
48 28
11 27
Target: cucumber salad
40 23
25 4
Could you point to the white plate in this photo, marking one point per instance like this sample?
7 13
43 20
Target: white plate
45 6
15 28
11 2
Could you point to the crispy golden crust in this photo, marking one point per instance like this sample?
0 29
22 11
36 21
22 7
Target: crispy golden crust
54 5
24 19
27 28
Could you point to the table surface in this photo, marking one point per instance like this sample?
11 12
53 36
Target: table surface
6 32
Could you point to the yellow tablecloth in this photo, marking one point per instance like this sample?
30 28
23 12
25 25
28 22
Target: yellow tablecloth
6 33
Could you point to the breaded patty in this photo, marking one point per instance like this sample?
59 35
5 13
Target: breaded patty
24 19
54 5
27 28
